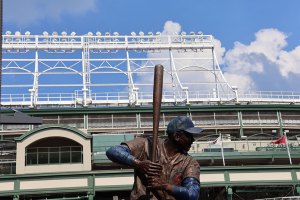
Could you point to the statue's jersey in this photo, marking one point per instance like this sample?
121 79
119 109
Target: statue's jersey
175 168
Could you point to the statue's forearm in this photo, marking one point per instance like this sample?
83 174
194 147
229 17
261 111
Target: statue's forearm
120 154
190 190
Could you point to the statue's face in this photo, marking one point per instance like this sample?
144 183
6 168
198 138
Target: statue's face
184 140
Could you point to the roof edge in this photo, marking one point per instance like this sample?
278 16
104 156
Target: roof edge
55 126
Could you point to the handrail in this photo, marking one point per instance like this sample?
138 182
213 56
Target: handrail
71 99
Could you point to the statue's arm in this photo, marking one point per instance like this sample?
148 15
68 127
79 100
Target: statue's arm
120 154
189 190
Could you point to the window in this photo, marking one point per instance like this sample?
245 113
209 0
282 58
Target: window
53 155
31 156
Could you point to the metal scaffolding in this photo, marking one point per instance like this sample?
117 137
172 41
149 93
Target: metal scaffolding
112 70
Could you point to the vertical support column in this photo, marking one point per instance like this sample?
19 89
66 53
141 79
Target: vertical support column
215 123
240 118
215 73
279 118
186 91
175 78
133 91
16 189
91 183
90 196
16 197
258 116
138 120
86 121
297 190
235 90
85 71
229 193
34 90
217 69
173 71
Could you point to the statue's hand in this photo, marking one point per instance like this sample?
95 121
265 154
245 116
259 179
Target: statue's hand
148 167
157 183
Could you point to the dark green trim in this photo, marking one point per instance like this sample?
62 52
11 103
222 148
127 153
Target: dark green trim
92 175
297 190
226 177
294 175
213 156
55 126
229 193
164 109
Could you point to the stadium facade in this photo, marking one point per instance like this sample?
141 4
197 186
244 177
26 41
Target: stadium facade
95 90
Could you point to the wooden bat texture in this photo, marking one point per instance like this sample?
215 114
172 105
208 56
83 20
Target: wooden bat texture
157 96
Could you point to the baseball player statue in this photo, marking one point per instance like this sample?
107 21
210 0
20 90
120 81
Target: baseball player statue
174 175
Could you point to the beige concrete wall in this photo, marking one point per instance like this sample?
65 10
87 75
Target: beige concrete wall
114 181
7 186
263 176
56 183
212 177
21 168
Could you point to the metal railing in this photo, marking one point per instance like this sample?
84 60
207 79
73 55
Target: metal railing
121 98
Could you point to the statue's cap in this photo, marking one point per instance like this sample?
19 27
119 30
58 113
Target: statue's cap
183 123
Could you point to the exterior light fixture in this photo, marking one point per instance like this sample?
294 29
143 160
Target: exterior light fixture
27 33
45 33
17 33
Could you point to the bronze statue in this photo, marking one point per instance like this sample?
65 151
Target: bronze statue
174 174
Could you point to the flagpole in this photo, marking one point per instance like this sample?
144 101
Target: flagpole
222 149
287 147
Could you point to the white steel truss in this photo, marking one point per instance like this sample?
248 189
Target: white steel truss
108 70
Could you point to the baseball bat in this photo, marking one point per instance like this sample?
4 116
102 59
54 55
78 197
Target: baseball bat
157 96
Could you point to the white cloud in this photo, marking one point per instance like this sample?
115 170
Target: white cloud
290 62
263 64
170 28
220 51
241 81
23 12
250 58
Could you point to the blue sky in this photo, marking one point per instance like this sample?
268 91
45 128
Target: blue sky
259 40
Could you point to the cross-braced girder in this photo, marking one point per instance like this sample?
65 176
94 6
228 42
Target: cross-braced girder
89 70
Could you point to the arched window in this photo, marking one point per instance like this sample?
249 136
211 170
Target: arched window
53 150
